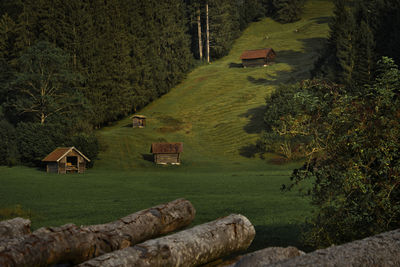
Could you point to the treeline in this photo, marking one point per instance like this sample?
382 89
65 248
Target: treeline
345 124
360 34
67 67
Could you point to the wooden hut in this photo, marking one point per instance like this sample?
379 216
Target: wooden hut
66 160
259 57
138 121
167 153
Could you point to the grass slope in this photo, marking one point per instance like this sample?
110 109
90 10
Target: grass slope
217 112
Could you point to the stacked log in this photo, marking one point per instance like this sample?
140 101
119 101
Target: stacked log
13 228
192 247
70 243
268 256
378 250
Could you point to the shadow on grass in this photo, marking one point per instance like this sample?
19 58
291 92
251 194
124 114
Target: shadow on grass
129 125
235 65
322 20
249 151
148 157
256 119
279 236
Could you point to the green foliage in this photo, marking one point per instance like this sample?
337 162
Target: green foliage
293 117
361 32
35 140
43 87
8 145
286 11
356 174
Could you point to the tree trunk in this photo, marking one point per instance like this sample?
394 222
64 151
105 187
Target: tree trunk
192 247
208 34
14 228
268 256
379 250
199 34
70 243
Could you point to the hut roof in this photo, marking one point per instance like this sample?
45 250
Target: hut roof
166 148
61 152
258 53
138 116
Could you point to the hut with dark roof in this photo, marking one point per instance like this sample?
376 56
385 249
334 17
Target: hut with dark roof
66 160
167 153
138 121
259 57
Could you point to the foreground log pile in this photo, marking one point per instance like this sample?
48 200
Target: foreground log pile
131 241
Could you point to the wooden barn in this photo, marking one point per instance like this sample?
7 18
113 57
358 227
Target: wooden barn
138 121
167 153
66 160
259 57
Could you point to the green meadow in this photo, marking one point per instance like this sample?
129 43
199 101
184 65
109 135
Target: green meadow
217 112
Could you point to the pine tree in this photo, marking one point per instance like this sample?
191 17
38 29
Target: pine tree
286 11
224 26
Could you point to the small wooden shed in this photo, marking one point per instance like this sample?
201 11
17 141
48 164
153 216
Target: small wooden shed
259 57
167 153
138 121
66 160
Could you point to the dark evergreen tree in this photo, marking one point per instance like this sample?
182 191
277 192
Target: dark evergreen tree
224 26
286 11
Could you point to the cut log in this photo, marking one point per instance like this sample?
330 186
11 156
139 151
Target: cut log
14 228
73 244
192 247
379 250
267 256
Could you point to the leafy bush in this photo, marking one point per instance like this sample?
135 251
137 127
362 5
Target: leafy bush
356 174
293 117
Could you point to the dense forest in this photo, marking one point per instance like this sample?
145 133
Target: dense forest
345 123
69 67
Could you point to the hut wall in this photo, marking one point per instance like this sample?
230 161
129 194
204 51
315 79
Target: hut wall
82 166
166 158
52 167
61 166
138 122
254 62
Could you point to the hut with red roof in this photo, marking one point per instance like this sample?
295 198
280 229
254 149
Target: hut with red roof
167 153
259 57
66 160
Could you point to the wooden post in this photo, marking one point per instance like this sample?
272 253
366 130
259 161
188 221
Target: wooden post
208 35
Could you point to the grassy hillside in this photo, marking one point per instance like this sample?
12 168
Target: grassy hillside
217 112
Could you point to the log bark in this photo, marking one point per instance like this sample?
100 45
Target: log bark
14 228
192 247
73 244
379 250
267 256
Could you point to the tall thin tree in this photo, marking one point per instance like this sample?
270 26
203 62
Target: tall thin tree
199 33
208 34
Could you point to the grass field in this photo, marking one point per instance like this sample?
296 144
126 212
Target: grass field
217 112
